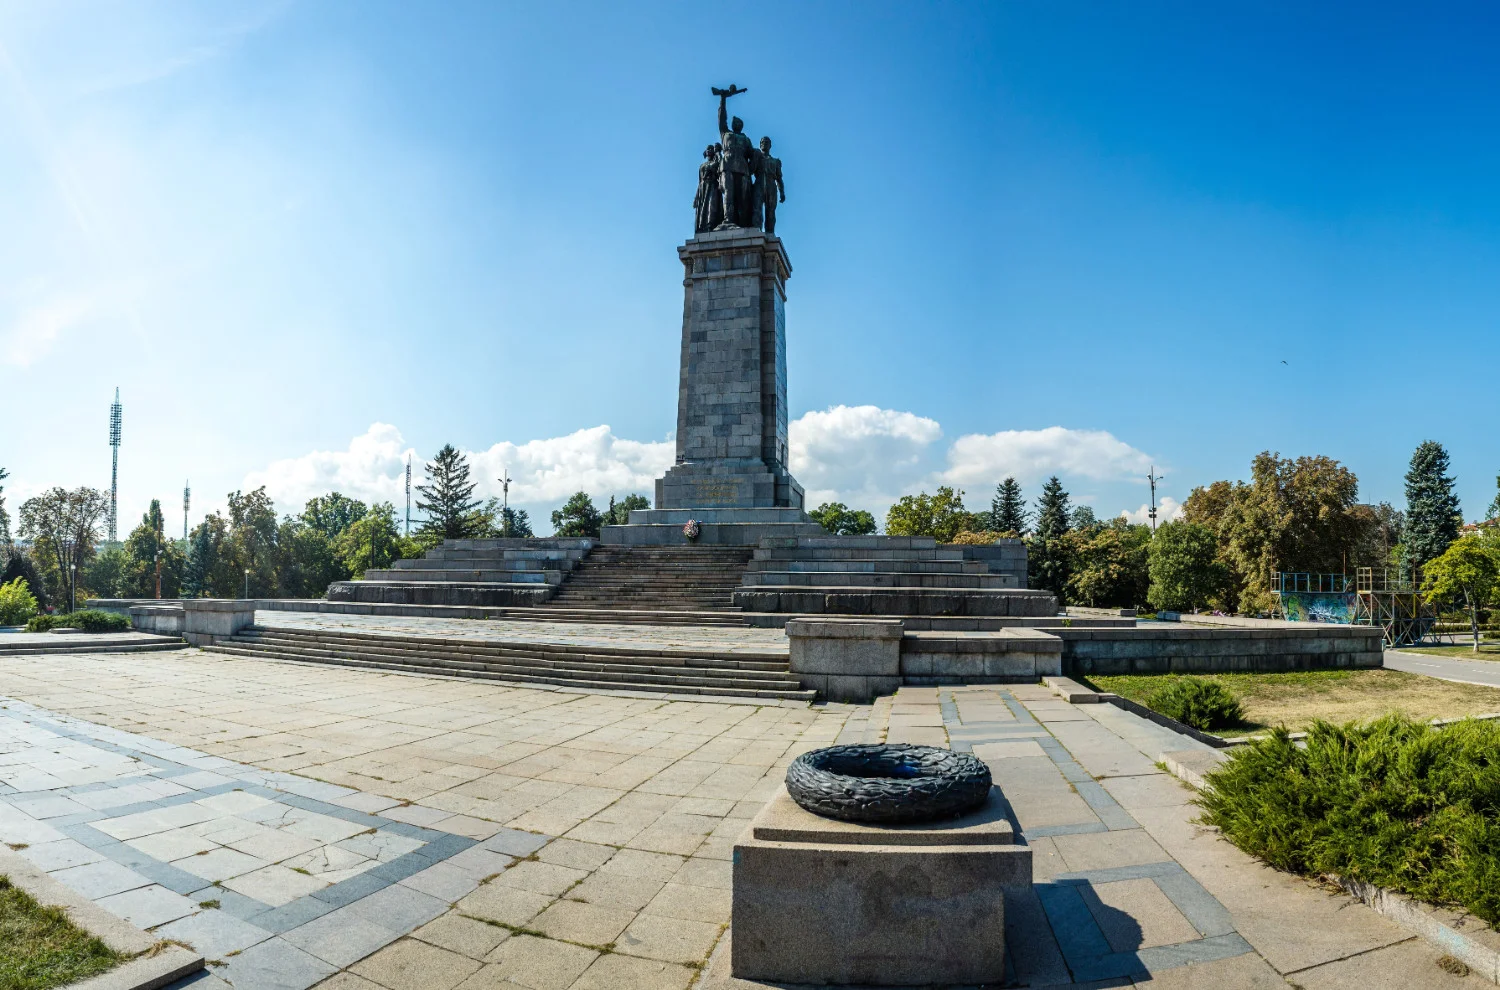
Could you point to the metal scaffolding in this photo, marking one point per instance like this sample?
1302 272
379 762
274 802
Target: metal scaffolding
1392 601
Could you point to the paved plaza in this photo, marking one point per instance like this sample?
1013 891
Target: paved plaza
303 825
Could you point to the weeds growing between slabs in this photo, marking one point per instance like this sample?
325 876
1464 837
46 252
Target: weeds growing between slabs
1395 803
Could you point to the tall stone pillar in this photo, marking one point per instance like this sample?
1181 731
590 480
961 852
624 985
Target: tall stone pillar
731 395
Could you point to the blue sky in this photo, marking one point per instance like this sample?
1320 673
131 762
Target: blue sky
305 238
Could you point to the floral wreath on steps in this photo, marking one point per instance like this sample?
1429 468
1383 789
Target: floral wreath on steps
690 530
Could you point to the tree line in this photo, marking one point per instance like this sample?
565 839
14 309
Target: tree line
1292 515
58 552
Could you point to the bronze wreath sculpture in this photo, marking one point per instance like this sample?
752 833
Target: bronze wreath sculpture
895 784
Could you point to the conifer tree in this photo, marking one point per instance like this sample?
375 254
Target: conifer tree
1008 509
1431 506
448 497
1052 510
1048 563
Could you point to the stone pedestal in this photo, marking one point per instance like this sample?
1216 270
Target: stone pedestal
207 619
849 660
731 395
716 527
822 901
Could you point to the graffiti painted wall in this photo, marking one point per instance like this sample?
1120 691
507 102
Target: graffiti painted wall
1310 606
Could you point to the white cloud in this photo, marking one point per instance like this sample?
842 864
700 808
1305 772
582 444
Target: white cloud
543 472
863 456
1033 455
592 460
859 454
1167 510
372 469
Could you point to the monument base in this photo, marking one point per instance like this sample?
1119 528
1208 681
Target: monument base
817 900
716 527
727 484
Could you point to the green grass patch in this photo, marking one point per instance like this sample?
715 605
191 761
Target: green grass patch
40 948
1488 650
1393 802
1298 698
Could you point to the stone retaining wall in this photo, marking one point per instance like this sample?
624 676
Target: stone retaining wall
1201 650
1004 656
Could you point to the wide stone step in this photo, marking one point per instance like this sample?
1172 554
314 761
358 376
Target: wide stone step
608 674
772 662
465 576
106 646
638 673
858 554
871 580
871 566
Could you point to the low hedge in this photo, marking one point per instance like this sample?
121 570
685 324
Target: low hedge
1395 803
89 620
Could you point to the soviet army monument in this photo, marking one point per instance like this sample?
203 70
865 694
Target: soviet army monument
731 473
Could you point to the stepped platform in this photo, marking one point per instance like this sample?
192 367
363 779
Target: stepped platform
497 572
889 575
579 663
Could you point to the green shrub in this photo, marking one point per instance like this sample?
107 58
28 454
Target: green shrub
96 621
17 603
1395 803
89 620
1194 701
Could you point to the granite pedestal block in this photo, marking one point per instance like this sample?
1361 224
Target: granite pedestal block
822 901
207 619
731 395
849 660
716 527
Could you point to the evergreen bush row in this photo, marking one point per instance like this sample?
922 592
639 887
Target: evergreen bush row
1394 802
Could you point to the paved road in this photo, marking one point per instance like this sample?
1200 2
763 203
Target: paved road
1485 672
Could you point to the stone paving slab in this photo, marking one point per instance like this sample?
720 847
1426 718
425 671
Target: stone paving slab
578 841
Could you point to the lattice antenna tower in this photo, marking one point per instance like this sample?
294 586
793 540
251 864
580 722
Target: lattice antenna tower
187 500
408 495
114 472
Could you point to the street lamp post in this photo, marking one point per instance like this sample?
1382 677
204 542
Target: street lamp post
73 587
247 582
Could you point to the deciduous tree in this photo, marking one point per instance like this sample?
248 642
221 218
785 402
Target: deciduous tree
1467 574
333 513
1185 570
840 520
577 517
64 526
618 513
941 516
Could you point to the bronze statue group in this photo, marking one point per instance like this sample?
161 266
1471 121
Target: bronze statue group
738 185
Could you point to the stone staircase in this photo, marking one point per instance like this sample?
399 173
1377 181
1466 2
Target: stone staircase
497 572
676 671
655 578
888 575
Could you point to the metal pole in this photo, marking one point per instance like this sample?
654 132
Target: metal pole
247 582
